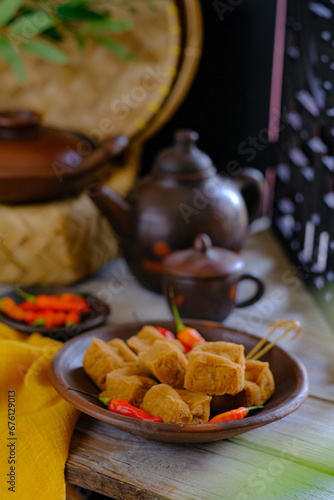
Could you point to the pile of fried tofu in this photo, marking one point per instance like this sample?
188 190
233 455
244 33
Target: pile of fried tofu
153 373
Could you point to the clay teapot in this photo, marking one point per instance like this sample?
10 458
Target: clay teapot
40 163
182 197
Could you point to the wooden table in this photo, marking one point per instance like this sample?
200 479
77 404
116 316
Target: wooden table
289 459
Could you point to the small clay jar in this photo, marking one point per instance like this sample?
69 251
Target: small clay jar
204 280
41 164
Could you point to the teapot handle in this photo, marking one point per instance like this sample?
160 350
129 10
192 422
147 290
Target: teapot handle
253 188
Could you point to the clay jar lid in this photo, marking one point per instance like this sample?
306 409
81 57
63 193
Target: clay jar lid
203 261
28 148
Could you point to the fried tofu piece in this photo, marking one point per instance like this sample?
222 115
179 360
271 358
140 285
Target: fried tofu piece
146 337
259 387
165 402
216 368
199 405
123 351
100 358
260 382
132 369
234 352
131 388
166 362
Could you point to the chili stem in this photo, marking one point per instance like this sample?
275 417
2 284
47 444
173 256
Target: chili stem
178 321
250 408
105 401
25 295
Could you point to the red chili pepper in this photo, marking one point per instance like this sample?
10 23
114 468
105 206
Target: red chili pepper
37 316
62 302
166 333
188 337
72 318
49 318
9 307
74 302
71 297
33 317
122 407
236 414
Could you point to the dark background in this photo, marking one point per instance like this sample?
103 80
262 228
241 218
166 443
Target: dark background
229 99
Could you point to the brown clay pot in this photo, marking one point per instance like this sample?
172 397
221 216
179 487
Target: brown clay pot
40 163
204 280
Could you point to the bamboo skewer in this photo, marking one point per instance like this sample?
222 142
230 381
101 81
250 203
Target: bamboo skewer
258 351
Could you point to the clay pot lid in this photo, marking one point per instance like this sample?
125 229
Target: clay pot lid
28 148
183 158
203 260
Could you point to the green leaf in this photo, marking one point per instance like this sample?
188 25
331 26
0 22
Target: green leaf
115 47
45 51
25 10
53 34
75 3
8 9
108 25
80 39
78 14
32 24
132 10
13 59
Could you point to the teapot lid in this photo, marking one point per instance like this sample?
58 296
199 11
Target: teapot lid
183 158
203 260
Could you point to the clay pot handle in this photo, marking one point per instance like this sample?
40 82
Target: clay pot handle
108 149
202 243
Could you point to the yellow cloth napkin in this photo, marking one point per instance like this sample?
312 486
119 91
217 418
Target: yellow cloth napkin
36 423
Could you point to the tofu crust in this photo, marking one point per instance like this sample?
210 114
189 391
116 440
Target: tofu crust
216 368
165 402
166 362
259 387
198 403
123 351
131 388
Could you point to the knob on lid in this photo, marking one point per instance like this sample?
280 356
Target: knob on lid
184 157
19 123
203 260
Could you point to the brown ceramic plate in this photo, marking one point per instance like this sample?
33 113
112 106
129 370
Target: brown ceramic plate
290 378
96 316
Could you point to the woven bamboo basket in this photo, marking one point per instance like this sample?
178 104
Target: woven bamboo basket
99 95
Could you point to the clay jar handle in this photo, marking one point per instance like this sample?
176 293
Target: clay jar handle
258 293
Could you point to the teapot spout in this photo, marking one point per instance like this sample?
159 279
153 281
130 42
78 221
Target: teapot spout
113 207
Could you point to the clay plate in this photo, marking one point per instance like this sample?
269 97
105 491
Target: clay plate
96 316
290 378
